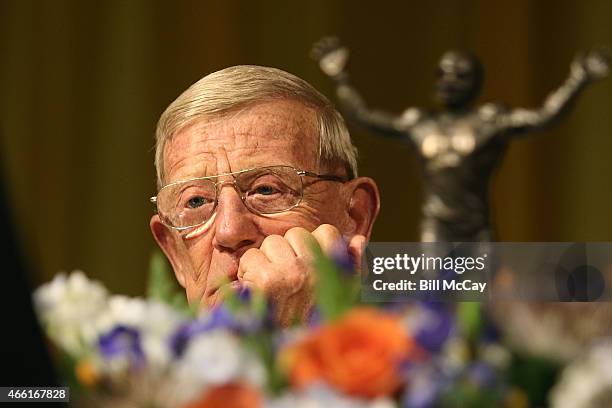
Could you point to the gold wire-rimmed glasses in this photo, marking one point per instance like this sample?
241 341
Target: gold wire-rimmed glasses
264 190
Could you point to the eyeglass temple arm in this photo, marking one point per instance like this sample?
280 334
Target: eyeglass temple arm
153 201
322 176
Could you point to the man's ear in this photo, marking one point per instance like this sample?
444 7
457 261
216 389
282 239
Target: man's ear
170 243
364 205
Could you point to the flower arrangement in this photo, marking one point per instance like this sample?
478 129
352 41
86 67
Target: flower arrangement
156 352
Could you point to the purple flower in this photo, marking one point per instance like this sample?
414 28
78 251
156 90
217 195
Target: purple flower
436 327
122 341
218 318
489 333
425 386
315 318
244 295
422 397
341 257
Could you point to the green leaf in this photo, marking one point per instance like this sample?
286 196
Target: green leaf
336 291
162 285
262 344
470 319
259 303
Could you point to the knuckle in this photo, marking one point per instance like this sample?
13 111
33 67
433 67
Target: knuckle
272 238
297 279
327 230
249 253
296 232
265 282
271 241
246 262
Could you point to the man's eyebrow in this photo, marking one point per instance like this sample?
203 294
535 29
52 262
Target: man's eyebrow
198 173
255 165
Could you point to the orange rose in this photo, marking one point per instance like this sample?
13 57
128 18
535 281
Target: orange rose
86 373
359 355
232 395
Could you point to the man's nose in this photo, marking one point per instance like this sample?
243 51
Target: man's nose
234 224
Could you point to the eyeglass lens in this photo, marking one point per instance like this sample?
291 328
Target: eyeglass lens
264 191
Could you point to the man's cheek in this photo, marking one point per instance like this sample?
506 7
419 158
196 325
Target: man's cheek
328 209
280 223
200 259
200 230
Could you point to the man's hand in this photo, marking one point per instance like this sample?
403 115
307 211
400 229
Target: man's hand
331 55
282 267
593 65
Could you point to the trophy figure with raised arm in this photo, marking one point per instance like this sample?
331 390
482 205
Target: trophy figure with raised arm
460 146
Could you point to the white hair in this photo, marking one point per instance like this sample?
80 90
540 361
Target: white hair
239 86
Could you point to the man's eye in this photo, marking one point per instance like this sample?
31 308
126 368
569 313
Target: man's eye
196 202
265 190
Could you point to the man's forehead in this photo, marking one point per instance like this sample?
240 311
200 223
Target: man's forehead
271 132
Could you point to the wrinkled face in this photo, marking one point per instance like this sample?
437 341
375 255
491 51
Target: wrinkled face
278 132
457 80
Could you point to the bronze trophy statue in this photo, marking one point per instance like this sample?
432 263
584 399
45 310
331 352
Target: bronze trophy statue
460 146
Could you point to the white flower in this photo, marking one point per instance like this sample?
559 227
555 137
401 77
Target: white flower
321 396
586 382
67 307
148 315
214 358
155 321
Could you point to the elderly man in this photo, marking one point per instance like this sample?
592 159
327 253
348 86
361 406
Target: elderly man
255 167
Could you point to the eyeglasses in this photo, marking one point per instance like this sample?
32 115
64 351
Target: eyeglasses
263 190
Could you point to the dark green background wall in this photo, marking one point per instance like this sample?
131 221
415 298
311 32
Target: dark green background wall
82 85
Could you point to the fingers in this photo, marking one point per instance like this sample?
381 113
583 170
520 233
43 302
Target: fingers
296 245
277 249
251 262
282 268
356 248
333 244
274 267
301 241
328 237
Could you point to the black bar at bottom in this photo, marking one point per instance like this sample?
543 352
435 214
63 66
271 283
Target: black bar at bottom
34 394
